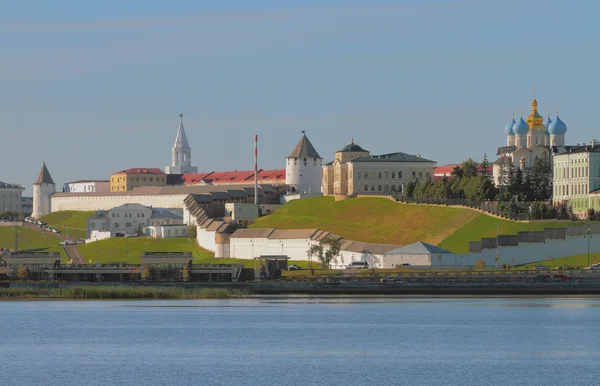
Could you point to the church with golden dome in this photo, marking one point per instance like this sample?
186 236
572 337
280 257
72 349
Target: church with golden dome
530 138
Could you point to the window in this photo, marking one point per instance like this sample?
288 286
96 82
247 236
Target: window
393 174
399 174
379 175
127 225
420 174
295 161
116 225
138 215
113 215
379 188
414 174
117 215
372 188
142 215
385 175
366 188
366 175
150 179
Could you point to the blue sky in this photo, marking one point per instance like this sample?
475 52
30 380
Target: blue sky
96 88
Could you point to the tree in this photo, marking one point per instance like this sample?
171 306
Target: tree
591 214
484 166
140 229
409 189
469 168
541 179
327 251
516 187
192 231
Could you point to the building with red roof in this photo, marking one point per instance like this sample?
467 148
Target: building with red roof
272 177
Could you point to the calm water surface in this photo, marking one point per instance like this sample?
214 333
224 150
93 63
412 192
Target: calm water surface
287 341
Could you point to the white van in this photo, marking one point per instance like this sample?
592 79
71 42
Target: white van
358 265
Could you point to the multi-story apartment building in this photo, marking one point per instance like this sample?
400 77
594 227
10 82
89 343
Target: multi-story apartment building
355 171
126 180
576 174
10 197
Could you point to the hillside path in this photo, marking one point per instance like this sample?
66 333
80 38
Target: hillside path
70 250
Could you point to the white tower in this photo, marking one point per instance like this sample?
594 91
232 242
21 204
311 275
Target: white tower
181 155
303 168
43 189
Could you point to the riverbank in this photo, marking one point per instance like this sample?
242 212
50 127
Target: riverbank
118 292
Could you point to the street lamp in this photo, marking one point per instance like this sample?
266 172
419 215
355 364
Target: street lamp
589 231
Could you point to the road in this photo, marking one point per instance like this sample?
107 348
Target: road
70 250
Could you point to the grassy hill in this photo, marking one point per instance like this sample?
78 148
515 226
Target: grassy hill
67 219
126 249
30 239
379 220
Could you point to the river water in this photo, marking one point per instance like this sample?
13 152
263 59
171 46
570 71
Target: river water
299 340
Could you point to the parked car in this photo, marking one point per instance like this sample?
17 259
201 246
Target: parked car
118 234
294 267
358 264
391 279
56 230
540 266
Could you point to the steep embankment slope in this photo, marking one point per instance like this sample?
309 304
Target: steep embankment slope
375 220
379 220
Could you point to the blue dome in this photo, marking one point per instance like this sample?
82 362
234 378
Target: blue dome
547 123
557 127
521 127
508 128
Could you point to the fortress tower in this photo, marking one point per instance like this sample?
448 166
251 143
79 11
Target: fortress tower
43 188
303 168
181 154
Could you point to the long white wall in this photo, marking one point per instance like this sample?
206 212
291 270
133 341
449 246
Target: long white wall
107 202
247 248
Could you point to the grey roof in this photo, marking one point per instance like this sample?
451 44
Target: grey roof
172 213
44 177
393 157
181 141
418 248
304 149
130 207
7 185
351 148
252 233
234 193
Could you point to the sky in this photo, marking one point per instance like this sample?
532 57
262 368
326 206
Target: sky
92 88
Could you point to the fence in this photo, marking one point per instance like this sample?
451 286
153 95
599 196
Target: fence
492 207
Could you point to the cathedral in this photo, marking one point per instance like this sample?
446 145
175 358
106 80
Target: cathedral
528 139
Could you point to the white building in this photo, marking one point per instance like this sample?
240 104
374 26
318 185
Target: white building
43 189
239 212
303 168
10 197
529 139
167 231
87 186
181 154
128 218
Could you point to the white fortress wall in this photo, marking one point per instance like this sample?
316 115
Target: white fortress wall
99 202
247 248
206 239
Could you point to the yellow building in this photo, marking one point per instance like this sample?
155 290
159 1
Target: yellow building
355 171
126 180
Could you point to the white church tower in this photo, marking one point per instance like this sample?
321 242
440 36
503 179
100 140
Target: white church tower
43 189
303 168
181 155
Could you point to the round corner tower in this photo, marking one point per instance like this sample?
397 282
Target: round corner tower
303 168
43 189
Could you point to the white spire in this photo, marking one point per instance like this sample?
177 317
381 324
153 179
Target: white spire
181 141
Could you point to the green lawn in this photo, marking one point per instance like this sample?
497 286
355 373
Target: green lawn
73 233
485 226
30 239
375 220
379 220
68 219
130 249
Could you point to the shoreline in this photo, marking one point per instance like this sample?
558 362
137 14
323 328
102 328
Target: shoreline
181 291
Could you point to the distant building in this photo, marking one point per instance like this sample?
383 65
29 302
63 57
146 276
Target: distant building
181 154
10 197
303 168
576 178
529 139
271 177
355 171
87 186
27 205
167 231
129 218
43 189
446 170
127 180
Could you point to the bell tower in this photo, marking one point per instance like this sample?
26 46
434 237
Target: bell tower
181 154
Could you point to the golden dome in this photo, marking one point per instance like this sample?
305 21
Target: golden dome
535 120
